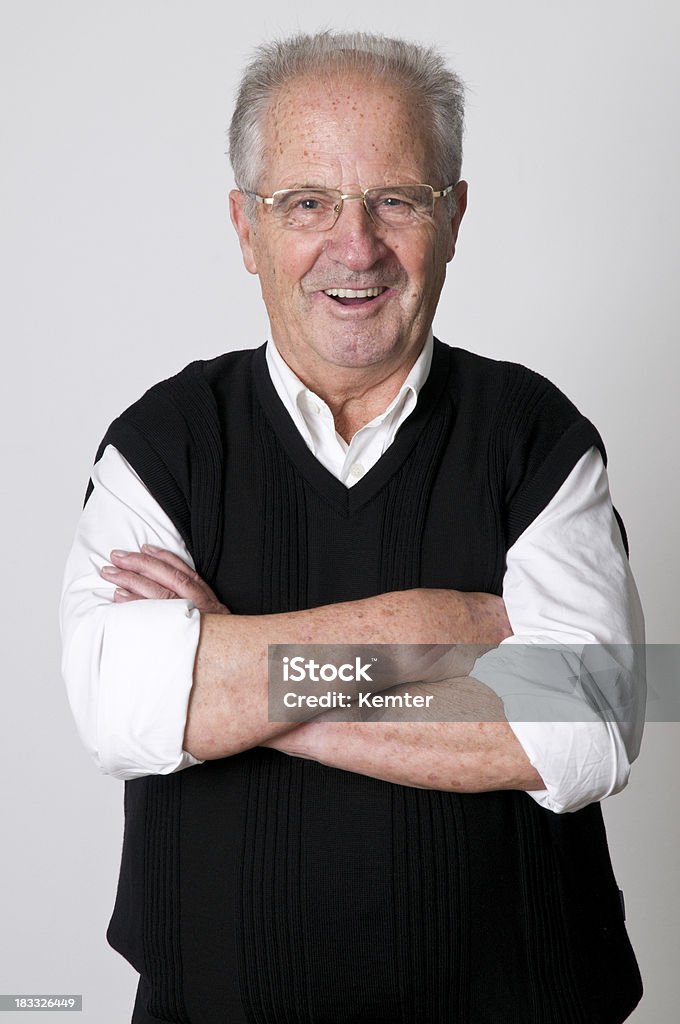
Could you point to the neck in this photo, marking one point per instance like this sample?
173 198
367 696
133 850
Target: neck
352 411
355 402
355 395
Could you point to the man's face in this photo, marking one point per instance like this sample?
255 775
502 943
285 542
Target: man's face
349 134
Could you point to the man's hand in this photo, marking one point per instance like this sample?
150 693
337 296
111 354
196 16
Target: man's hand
157 574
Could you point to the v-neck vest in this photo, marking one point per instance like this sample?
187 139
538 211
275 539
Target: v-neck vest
271 889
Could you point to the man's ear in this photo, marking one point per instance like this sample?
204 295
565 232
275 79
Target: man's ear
460 193
237 209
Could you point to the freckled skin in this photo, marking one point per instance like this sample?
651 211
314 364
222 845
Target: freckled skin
348 133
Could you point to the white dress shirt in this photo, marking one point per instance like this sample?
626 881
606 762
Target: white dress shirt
128 667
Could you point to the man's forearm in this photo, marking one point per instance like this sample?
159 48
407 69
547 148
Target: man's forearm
476 752
228 708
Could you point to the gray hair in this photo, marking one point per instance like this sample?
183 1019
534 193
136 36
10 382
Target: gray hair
420 69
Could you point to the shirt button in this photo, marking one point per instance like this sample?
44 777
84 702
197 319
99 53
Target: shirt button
357 470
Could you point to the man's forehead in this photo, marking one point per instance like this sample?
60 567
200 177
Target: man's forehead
325 127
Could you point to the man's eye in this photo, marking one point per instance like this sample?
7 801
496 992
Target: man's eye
397 204
302 202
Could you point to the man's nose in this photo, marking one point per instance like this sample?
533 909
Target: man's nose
355 240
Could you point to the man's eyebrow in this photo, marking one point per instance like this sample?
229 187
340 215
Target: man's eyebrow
303 185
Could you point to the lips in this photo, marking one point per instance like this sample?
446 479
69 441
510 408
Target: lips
355 296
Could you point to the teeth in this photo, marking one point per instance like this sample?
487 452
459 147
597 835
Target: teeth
353 293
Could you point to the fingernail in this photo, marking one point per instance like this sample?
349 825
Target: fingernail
119 554
122 593
109 570
150 547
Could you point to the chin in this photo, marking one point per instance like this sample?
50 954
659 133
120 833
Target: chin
357 356
362 349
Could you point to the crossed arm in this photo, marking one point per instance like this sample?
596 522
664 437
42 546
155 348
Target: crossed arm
228 706
132 673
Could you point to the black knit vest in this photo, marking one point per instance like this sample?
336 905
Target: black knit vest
268 889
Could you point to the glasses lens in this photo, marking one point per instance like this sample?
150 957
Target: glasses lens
399 206
305 209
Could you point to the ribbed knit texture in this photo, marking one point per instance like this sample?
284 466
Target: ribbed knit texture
162 902
264 889
406 506
284 539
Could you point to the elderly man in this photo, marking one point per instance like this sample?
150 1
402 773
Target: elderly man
353 481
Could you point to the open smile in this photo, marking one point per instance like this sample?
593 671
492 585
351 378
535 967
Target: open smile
354 296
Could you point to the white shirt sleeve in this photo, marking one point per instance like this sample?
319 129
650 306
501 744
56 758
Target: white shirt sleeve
128 667
568 584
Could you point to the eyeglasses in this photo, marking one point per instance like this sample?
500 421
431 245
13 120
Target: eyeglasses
317 209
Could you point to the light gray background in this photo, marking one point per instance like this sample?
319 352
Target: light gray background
120 267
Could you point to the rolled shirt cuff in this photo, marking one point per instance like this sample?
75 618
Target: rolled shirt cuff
570 707
146 674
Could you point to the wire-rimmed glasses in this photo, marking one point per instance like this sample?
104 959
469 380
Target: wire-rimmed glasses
317 209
